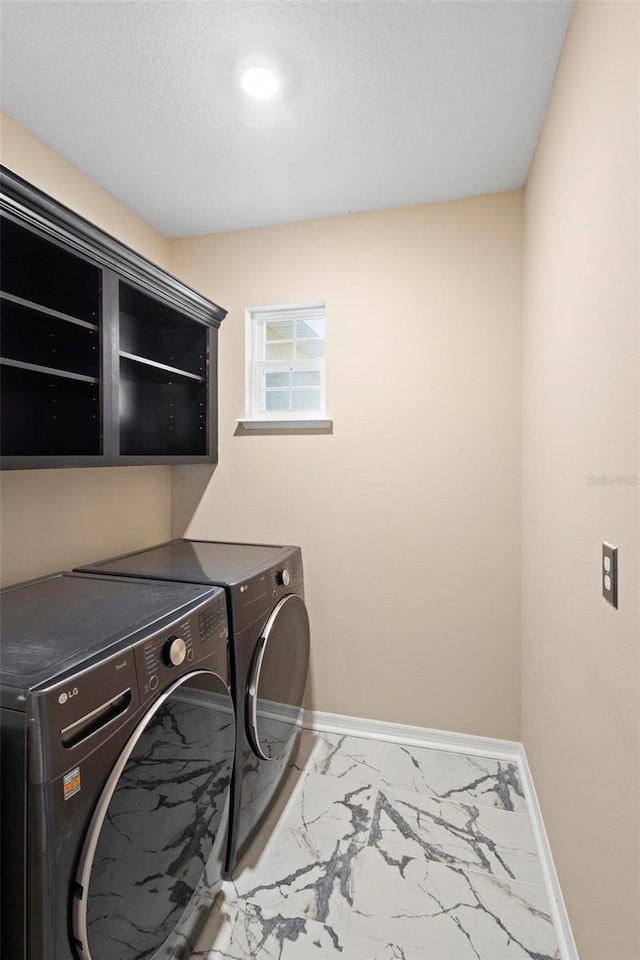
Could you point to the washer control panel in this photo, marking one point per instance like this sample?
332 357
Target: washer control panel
212 623
156 649
174 652
166 654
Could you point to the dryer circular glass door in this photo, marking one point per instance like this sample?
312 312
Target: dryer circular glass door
278 679
158 824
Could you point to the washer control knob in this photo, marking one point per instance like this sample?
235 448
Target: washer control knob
284 578
174 652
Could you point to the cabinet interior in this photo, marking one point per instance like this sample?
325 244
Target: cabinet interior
48 416
49 348
163 367
41 272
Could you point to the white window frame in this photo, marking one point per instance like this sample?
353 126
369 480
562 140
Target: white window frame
257 367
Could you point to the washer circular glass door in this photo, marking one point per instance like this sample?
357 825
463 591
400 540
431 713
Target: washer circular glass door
278 678
155 826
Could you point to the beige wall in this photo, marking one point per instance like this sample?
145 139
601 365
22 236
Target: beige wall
52 519
41 166
580 663
408 514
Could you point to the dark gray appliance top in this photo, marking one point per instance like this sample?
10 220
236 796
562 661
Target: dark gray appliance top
52 625
197 561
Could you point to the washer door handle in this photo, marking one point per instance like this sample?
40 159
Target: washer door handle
255 673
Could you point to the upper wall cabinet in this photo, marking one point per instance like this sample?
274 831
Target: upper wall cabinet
105 359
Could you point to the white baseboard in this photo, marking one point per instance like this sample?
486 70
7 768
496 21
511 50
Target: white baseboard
508 750
568 949
413 736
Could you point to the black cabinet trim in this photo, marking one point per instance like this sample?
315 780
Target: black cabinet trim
27 204
110 366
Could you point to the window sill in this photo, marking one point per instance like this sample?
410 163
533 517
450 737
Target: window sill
302 423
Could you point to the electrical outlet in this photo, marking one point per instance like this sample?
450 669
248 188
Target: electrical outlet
609 573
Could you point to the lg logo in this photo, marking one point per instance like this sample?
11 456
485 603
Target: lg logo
68 695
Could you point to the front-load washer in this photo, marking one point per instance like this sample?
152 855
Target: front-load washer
269 644
118 737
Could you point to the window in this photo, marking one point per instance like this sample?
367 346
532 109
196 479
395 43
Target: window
285 363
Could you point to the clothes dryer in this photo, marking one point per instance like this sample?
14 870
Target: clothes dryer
118 738
269 644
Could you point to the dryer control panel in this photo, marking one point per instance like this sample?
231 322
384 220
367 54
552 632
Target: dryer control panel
253 598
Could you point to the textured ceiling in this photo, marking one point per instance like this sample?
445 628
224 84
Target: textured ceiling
383 103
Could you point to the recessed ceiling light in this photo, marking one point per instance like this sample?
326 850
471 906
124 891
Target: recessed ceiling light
259 82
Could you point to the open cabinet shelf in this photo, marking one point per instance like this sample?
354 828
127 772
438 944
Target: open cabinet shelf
45 339
163 369
161 414
46 311
105 359
47 371
46 415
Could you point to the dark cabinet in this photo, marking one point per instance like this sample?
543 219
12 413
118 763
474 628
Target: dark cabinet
105 359
163 361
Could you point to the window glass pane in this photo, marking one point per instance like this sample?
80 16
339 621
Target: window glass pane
310 350
278 379
287 367
279 330
278 351
276 400
306 378
314 327
306 399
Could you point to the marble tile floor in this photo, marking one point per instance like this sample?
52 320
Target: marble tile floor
380 851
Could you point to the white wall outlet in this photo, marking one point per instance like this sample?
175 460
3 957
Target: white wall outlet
609 573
